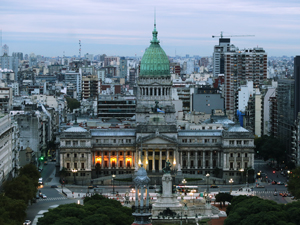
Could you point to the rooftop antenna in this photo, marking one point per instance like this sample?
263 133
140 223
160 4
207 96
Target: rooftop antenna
154 18
79 49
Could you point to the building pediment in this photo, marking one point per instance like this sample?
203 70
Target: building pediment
157 139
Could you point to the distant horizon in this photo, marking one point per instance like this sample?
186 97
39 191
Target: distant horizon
125 28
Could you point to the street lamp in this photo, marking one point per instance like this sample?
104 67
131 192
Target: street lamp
207 176
231 181
74 171
184 181
113 176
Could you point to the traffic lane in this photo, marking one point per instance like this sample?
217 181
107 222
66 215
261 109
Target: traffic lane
270 196
49 192
47 171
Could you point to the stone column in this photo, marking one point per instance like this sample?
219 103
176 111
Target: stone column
117 164
109 165
146 161
136 197
219 160
211 163
142 196
203 159
196 159
189 160
224 161
153 160
133 159
102 159
160 162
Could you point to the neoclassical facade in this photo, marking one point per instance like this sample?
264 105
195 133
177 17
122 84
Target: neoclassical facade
217 143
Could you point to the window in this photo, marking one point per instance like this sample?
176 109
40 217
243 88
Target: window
82 155
121 163
246 155
68 165
105 153
75 165
192 163
128 141
206 153
113 153
192 153
114 140
184 140
75 155
246 165
163 153
238 142
75 143
239 154
171 153
68 155
121 153
214 153
68 143
231 154
231 142
206 140
231 165
82 143
82 165
214 140
128 153
105 141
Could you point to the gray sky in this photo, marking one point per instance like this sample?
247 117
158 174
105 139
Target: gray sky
118 27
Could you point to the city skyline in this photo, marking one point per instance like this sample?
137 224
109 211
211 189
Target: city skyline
124 28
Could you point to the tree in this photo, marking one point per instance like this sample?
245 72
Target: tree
223 197
294 182
248 210
96 210
12 211
31 172
72 103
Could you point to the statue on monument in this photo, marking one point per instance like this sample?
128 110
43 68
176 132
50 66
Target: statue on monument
154 109
167 169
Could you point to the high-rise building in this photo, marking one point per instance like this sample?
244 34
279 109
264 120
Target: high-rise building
10 62
297 85
123 67
218 55
5 49
19 55
241 66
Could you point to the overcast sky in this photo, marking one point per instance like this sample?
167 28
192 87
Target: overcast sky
118 27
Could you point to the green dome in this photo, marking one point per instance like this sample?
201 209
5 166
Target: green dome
155 62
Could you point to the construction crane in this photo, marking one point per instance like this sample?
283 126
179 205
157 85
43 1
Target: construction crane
232 35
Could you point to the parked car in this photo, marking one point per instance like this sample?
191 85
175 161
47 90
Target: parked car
44 196
27 222
280 183
260 186
214 186
275 193
274 182
53 186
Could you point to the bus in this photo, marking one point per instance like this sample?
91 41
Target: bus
187 189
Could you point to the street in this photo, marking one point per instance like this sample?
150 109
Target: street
55 197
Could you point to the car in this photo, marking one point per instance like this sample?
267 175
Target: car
274 182
27 222
275 193
286 185
214 186
44 196
90 187
53 186
280 183
260 186
40 170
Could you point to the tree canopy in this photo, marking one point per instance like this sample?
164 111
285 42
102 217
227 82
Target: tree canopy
17 193
72 103
96 210
269 147
294 182
248 210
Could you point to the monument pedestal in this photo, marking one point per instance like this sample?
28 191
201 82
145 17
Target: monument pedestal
166 199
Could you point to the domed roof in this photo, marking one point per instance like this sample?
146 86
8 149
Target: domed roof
75 129
155 62
141 177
